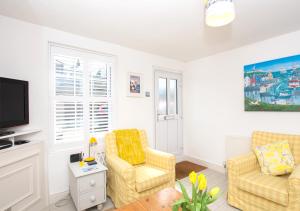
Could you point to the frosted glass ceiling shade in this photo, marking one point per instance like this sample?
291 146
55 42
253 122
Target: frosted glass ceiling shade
219 12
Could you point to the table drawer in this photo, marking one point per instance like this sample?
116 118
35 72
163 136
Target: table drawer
89 182
92 198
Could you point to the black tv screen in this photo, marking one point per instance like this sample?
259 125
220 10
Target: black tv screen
13 102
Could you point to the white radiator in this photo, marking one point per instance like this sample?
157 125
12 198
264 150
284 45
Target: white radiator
237 145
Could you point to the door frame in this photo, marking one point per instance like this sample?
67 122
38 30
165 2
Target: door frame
180 102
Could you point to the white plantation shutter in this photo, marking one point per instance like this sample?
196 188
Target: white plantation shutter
68 76
69 121
99 117
100 79
100 98
82 96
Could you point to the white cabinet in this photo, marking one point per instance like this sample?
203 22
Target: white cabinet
22 181
87 189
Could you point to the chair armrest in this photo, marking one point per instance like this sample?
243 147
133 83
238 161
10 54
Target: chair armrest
295 175
243 164
294 189
121 167
160 159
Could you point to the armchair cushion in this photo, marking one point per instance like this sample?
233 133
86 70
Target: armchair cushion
129 146
275 158
273 188
148 177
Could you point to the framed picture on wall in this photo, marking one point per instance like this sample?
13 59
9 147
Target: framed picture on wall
135 84
273 85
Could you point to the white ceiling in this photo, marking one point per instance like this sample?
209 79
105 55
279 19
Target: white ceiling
171 28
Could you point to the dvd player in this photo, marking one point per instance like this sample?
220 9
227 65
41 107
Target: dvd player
5 144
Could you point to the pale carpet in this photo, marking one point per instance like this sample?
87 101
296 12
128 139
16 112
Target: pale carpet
214 179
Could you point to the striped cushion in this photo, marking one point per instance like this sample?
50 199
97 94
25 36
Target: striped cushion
273 188
148 177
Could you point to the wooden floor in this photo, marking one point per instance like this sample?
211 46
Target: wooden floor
185 167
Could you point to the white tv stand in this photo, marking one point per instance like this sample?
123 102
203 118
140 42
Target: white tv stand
22 174
12 136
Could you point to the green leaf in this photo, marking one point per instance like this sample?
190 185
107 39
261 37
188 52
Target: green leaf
211 200
184 193
199 196
194 194
179 202
204 208
175 207
188 206
193 208
204 201
198 207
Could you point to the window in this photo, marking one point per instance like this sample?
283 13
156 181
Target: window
82 94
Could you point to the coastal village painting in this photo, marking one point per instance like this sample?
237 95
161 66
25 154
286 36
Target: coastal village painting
273 85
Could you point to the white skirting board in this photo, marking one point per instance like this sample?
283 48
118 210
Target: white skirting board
58 196
180 158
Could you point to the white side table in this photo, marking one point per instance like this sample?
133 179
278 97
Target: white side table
88 189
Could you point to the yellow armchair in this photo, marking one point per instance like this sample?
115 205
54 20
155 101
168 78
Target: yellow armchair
294 189
127 183
249 189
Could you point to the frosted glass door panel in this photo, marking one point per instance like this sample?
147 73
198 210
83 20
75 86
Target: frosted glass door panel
162 96
172 101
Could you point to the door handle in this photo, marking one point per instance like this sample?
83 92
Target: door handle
160 117
165 117
169 117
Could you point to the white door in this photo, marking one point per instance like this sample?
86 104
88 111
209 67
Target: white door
168 108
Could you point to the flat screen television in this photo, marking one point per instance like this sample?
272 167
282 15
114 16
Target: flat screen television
14 109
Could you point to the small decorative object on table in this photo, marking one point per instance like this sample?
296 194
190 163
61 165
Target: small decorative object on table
92 143
200 196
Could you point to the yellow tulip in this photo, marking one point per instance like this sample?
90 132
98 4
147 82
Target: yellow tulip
214 191
193 177
202 182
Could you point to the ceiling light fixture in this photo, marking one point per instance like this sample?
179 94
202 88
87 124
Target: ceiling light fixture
219 12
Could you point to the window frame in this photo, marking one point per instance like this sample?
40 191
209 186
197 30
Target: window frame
53 48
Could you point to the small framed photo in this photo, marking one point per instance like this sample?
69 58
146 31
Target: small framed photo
135 85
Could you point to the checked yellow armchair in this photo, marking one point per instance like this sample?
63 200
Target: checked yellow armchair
127 183
251 190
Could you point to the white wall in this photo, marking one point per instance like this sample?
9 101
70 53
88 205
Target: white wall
24 55
214 99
